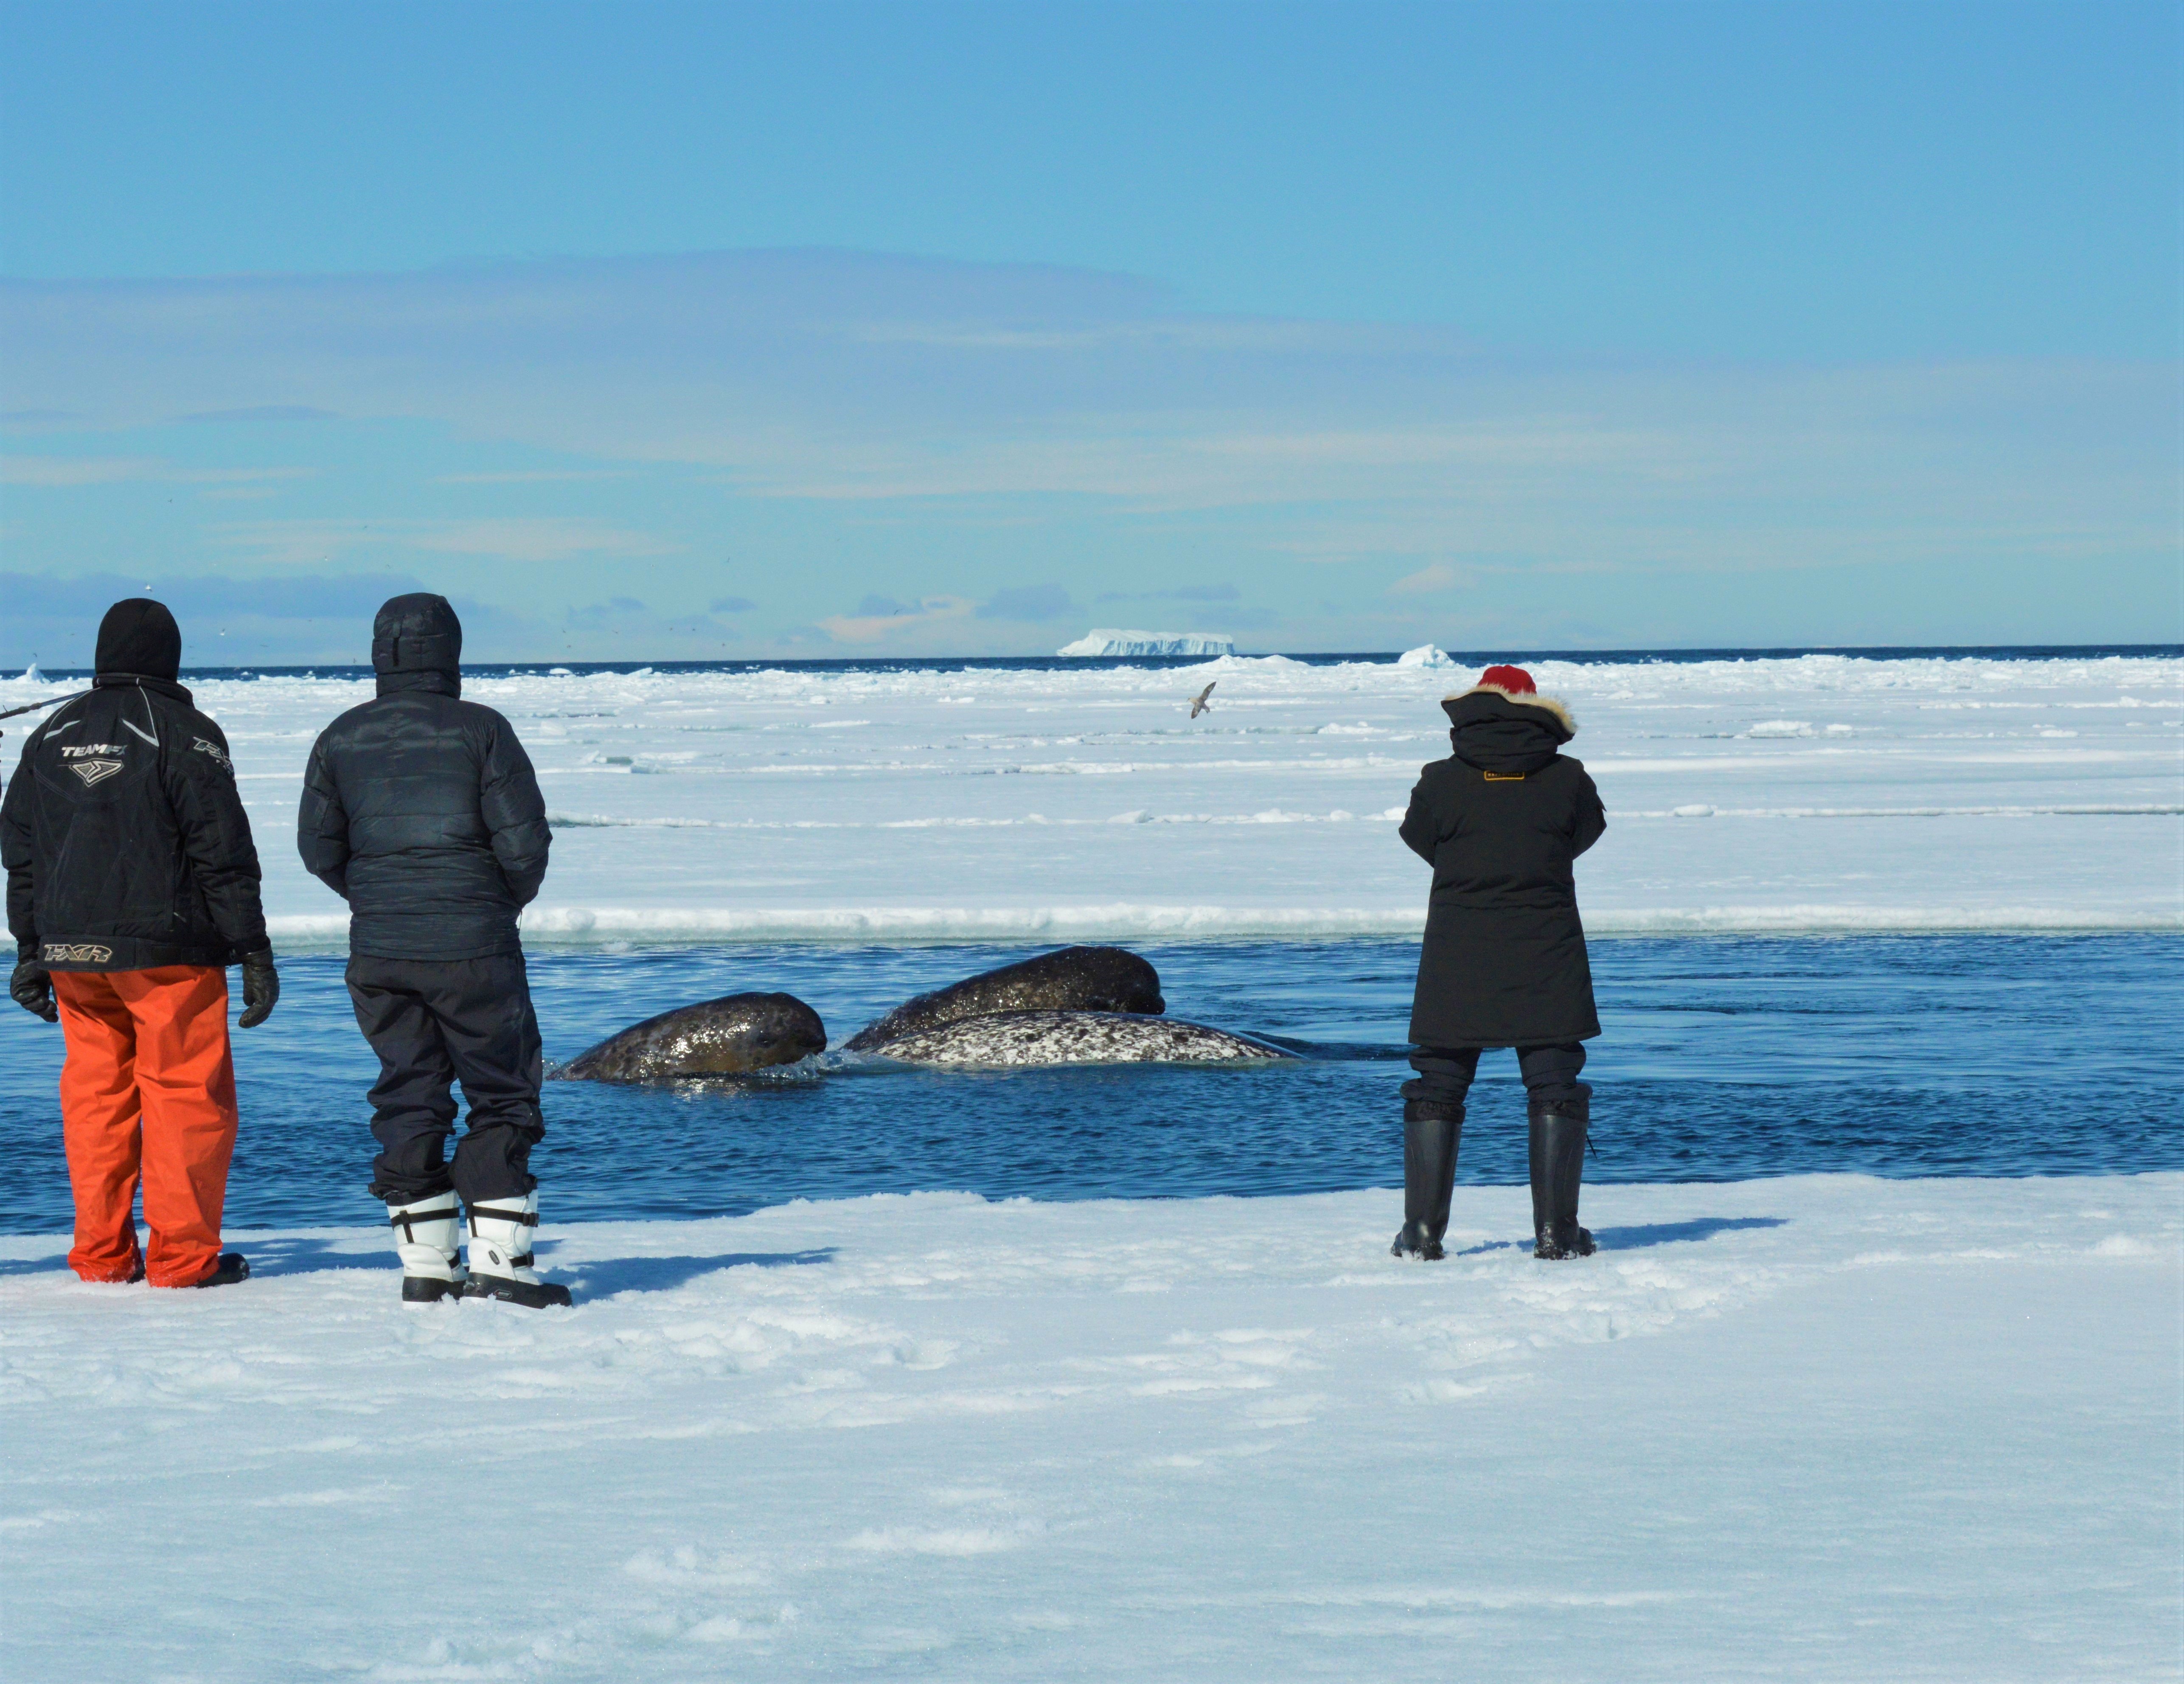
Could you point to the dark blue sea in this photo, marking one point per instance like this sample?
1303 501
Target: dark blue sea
1724 1059
1048 663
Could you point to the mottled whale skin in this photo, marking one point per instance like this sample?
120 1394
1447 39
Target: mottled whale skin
1019 1037
725 1037
1067 979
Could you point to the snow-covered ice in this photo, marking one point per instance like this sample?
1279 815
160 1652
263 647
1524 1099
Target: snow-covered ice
1820 793
1105 641
1824 1428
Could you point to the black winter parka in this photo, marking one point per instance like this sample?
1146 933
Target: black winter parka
1500 822
421 810
125 843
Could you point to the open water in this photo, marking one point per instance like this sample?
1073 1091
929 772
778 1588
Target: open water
1724 1059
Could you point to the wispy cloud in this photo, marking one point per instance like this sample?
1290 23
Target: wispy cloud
60 472
535 477
1032 604
513 538
67 472
835 376
861 398
225 620
879 619
1179 594
1427 580
253 413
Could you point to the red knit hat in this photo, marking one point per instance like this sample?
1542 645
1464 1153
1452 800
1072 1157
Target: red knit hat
1514 680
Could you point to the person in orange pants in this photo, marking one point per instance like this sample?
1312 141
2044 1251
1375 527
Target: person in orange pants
132 885
147 1092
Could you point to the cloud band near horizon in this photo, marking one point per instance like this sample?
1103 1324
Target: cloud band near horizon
999 446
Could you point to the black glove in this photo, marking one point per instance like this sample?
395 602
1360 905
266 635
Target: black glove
32 987
261 987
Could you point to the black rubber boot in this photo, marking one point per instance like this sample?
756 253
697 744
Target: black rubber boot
227 1268
426 1289
532 1295
1431 1134
1558 1143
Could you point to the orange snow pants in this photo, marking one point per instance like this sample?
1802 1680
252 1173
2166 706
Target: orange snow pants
147 1090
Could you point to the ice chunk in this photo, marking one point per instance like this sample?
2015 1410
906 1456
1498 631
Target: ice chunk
1424 655
1103 640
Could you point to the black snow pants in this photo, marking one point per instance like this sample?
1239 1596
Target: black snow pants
434 1021
1445 1072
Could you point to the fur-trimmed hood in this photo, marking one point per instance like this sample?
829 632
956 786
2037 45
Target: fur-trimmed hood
1505 731
1529 699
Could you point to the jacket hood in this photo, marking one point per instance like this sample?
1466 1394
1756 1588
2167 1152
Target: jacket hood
417 644
139 638
1499 730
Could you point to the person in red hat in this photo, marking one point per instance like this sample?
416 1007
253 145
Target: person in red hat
1500 820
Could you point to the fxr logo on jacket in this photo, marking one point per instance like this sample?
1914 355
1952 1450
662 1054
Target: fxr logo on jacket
75 953
91 762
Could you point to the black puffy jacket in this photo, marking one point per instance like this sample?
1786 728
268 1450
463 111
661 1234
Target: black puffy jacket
421 809
125 843
1500 822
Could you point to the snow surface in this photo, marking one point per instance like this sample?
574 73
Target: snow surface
1108 641
1826 1428
1820 793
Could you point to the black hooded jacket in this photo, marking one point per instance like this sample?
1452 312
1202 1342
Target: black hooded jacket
421 810
125 843
1500 822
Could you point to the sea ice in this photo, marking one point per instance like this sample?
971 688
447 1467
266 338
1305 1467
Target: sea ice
1826 1428
1105 641
1843 794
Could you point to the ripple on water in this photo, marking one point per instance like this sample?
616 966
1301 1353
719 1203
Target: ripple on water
1724 1058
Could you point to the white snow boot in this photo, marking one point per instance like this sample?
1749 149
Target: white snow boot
500 1255
425 1237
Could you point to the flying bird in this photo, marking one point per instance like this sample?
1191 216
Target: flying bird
1198 703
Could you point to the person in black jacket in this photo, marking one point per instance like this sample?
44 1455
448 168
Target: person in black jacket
133 886
1504 962
421 811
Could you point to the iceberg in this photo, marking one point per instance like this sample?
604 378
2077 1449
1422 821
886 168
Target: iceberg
1104 640
1425 655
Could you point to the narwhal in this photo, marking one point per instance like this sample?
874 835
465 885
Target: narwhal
730 1036
1067 979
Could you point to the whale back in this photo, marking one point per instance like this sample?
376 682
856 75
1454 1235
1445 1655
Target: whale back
1067 979
1034 1038
729 1036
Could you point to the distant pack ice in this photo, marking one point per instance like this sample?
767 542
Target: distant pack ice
1105 641
1075 801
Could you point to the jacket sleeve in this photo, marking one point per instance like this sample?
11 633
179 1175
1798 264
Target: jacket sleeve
1421 828
17 855
1590 818
215 831
515 811
322 822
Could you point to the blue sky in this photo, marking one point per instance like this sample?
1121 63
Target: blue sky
664 331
